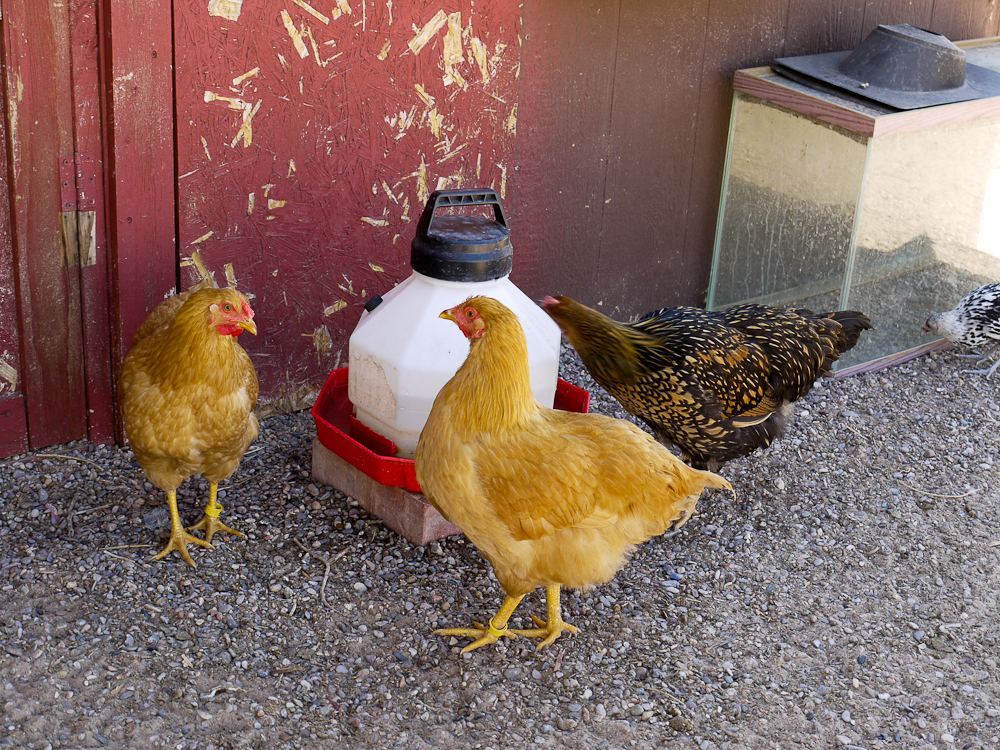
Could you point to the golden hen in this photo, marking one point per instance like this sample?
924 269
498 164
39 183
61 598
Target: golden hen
551 498
718 385
187 392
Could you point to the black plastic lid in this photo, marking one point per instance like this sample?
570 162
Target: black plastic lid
462 248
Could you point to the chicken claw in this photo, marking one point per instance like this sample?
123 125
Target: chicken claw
179 538
484 634
491 632
553 627
210 522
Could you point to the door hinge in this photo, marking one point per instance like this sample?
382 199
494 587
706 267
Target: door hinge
78 197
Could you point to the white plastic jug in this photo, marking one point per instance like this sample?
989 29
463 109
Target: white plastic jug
402 353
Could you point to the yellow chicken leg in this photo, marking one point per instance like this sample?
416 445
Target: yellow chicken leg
554 627
210 522
492 631
179 538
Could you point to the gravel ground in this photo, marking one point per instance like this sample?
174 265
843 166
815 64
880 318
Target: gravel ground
848 597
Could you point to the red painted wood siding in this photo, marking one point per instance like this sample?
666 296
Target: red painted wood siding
624 114
309 135
89 143
139 174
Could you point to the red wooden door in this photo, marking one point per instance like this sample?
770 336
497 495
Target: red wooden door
55 371
50 365
52 277
309 135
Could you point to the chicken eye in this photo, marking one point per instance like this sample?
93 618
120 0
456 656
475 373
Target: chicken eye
470 313
228 307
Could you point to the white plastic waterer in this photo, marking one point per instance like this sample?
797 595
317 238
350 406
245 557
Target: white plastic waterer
401 353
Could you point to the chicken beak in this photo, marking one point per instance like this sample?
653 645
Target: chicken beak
248 325
448 315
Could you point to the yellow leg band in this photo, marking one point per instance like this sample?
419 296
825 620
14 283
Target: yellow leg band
494 630
213 510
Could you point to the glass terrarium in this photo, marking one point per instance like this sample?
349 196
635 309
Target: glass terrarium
832 202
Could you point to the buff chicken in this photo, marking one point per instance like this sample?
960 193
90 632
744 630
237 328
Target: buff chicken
718 385
550 498
187 392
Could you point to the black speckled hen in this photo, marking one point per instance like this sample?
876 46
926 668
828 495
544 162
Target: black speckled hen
718 385
975 321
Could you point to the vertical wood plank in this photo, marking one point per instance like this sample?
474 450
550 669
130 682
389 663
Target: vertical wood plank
737 36
564 115
829 26
645 258
914 12
88 138
13 424
972 19
139 164
48 285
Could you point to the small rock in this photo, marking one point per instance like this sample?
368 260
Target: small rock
681 724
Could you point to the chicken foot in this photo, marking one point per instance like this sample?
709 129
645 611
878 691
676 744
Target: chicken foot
982 358
554 626
492 631
179 538
549 629
210 522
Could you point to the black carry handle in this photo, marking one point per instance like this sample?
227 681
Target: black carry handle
464 197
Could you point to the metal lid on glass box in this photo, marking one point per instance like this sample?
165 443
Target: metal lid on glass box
901 66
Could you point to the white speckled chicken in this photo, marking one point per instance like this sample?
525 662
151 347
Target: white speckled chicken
975 321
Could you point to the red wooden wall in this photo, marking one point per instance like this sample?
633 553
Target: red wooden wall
624 112
287 148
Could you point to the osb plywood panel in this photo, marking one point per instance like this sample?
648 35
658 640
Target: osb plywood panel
309 136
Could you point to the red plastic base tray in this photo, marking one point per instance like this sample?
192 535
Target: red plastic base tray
373 453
